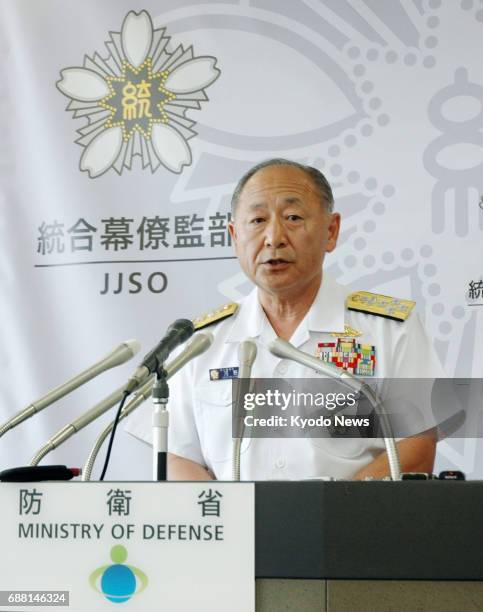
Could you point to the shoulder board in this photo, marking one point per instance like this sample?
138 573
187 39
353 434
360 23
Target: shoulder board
380 305
214 316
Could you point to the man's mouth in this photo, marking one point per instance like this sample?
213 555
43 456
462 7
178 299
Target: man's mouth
276 263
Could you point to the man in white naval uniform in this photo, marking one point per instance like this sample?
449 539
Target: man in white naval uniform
282 227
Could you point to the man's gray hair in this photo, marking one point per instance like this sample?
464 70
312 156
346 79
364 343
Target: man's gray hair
318 179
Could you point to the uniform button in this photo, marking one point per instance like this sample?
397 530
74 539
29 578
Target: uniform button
225 395
280 463
282 369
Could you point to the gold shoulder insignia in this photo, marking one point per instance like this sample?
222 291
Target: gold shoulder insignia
214 316
381 305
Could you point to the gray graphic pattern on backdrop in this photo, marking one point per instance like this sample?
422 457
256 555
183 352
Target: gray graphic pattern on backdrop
369 49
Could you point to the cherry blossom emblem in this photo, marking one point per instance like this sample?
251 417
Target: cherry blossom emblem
135 100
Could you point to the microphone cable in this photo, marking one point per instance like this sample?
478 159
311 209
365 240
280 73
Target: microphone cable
113 433
177 333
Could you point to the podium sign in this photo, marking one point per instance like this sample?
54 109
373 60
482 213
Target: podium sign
134 546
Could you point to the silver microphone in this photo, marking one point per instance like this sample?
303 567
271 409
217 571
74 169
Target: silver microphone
197 346
117 356
285 350
200 344
247 352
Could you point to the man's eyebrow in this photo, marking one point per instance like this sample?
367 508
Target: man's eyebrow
292 200
257 205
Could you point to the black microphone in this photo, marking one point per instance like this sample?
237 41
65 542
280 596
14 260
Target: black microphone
177 333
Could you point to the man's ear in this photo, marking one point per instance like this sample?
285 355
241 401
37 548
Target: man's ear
333 232
232 230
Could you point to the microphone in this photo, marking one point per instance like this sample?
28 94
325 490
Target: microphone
247 352
283 349
69 430
116 357
177 333
199 344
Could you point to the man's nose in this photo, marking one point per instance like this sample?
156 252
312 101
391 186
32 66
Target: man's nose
275 236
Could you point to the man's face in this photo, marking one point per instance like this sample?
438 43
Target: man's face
282 230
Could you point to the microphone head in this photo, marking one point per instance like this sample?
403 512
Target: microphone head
183 328
280 348
122 353
247 352
201 343
133 346
283 349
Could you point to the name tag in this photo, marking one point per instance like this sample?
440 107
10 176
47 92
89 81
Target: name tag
223 373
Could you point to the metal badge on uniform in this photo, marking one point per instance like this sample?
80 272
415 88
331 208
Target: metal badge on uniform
223 373
348 331
346 353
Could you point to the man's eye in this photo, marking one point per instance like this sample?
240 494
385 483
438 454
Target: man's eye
257 220
294 217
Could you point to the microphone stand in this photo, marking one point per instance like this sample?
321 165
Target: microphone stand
247 352
136 399
72 428
160 424
198 345
282 348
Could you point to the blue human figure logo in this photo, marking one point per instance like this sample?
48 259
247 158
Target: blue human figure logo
118 582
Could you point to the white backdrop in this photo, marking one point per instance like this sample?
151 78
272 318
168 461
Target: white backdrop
386 97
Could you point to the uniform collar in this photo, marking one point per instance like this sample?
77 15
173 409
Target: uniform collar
249 321
325 315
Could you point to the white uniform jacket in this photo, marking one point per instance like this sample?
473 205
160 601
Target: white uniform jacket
201 409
